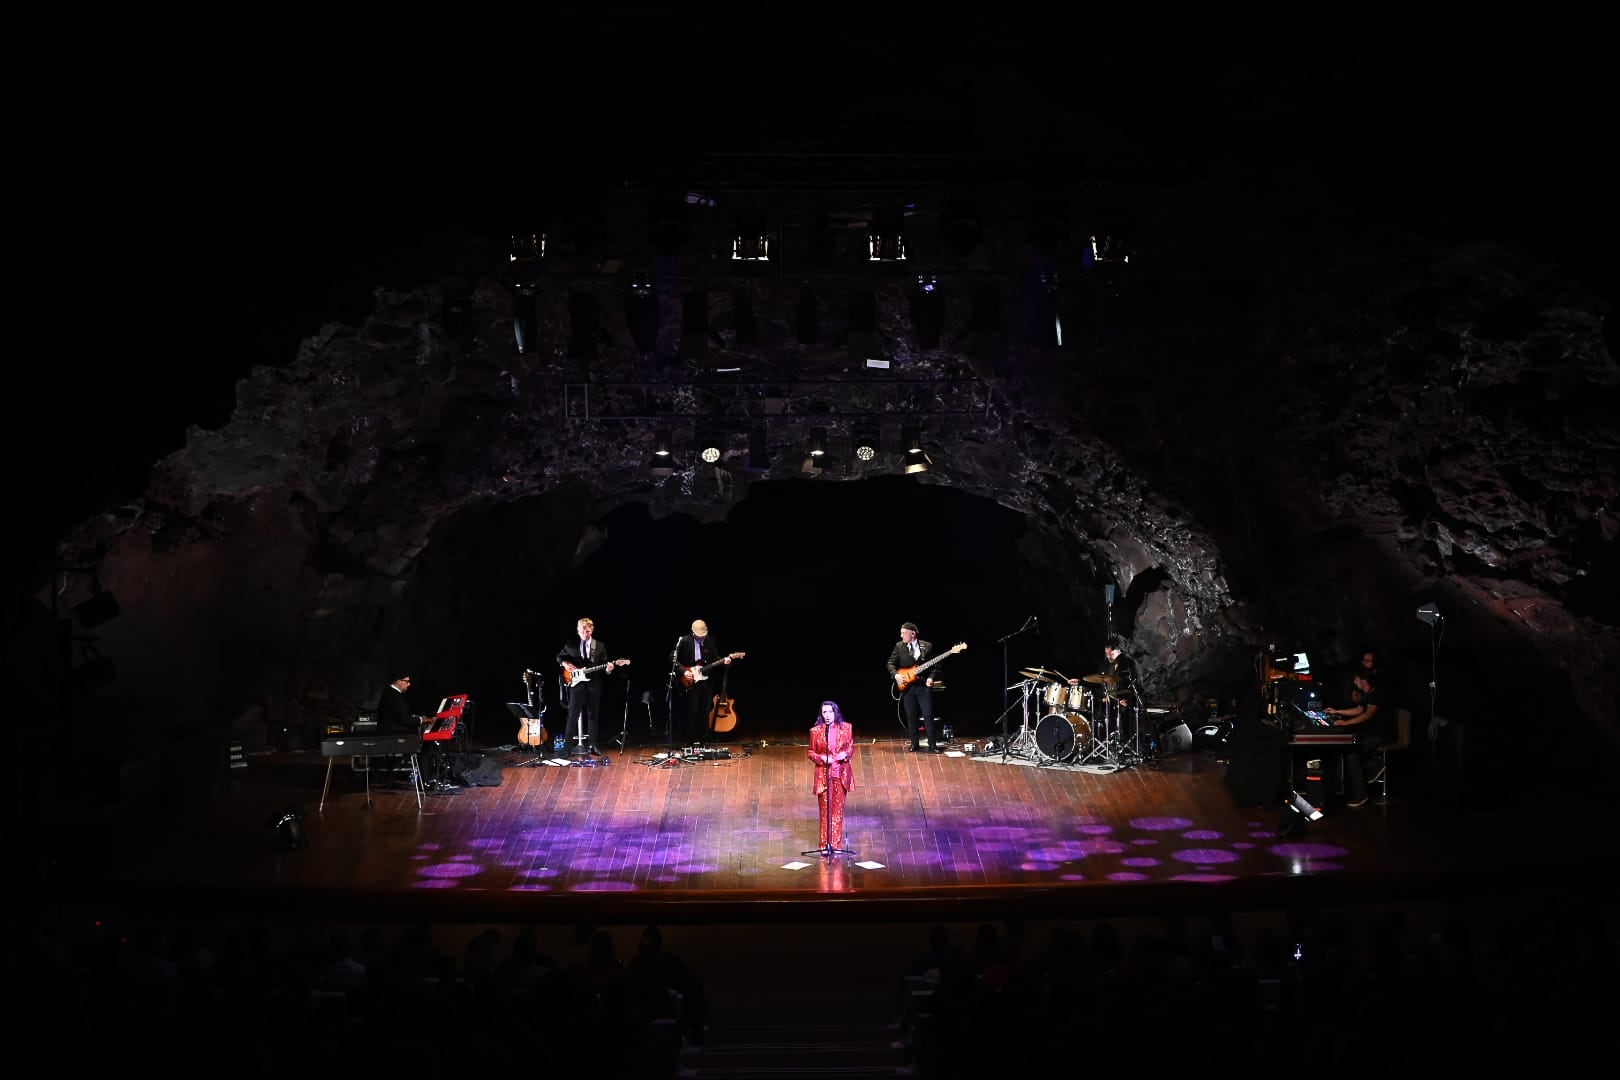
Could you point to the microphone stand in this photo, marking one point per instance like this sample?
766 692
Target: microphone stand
1004 669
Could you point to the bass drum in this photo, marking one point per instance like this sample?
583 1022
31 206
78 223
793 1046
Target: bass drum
1062 736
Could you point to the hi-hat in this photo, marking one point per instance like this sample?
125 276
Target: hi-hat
1041 674
1101 680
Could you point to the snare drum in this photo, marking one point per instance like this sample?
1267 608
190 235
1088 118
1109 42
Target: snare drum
1078 699
1056 697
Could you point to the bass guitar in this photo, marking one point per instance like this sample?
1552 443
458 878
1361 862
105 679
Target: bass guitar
695 674
574 676
905 676
532 729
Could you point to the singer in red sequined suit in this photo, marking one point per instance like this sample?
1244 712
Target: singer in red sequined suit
832 748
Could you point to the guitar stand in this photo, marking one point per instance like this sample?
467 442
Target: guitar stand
521 712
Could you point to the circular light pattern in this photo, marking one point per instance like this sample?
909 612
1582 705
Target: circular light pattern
711 454
865 453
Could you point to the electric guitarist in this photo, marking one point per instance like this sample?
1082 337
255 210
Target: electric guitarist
912 680
582 659
697 657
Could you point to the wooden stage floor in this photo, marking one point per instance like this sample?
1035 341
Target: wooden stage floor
954 836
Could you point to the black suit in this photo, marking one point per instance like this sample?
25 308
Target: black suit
917 700
694 705
584 693
394 716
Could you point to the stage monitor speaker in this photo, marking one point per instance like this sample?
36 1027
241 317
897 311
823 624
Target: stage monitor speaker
1176 740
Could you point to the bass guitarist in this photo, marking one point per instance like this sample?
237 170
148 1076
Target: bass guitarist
916 695
585 662
697 657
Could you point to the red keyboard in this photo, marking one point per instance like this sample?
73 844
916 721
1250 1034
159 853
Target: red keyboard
443 725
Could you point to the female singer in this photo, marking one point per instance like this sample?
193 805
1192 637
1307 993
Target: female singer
832 749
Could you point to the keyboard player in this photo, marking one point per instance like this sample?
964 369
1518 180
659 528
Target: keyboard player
394 717
1363 718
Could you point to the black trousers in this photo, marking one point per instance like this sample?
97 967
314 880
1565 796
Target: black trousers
917 704
694 706
586 699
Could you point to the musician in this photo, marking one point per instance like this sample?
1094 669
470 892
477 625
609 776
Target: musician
697 651
1118 674
1364 718
394 717
917 699
585 691
832 749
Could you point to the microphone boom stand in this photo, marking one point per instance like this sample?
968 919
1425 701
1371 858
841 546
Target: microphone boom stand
827 851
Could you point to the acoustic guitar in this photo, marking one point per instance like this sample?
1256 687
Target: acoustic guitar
532 730
905 676
723 716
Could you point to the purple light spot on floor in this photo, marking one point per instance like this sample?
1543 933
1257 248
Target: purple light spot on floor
541 872
1034 867
1095 830
1071 877
1264 834
1309 851
1068 849
450 870
461 858
431 847
419 857
694 868
604 886
489 842
980 845
1127 875
999 832
1205 856
434 885
1243 845
1145 841
1323 867
1100 847
1160 824
1202 834
1207 879
1139 861
965 867
664 879
531 888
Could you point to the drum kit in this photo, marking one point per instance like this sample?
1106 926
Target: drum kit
1088 723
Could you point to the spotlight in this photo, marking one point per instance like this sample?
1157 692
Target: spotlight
886 236
663 461
524 318
1109 248
927 311
525 246
917 461
866 442
1430 614
752 242
818 442
709 447
641 313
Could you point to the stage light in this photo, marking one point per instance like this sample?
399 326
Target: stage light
524 318
917 460
818 442
752 242
866 442
641 313
709 446
663 459
927 311
886 236
526 245
1109 248
1430 614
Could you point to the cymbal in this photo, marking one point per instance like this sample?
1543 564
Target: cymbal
1101 680
1041 674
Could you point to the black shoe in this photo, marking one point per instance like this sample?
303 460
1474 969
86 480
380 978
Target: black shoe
936 749
912 749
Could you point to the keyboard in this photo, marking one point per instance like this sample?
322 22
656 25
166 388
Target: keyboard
369 745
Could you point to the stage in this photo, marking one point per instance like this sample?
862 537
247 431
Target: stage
639 837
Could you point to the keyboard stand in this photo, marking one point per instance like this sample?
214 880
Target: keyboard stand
416 779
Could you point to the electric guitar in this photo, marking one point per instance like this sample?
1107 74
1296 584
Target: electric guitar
574 676
695 674
532 730
905 676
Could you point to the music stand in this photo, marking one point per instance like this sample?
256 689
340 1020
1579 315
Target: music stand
524 714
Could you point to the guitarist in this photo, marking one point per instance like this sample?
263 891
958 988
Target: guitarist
917 699
697 650
584 693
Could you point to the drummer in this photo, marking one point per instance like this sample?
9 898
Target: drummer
1118 677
